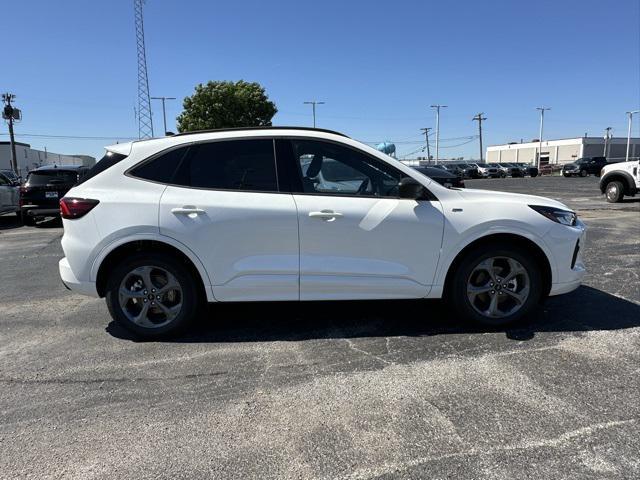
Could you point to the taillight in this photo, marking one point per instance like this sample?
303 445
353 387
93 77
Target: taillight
72 208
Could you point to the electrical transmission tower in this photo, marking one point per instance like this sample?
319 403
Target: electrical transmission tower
145 123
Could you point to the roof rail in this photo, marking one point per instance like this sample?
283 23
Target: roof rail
260 128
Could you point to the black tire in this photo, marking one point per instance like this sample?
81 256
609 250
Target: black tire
458 299
27 220
614 191
566 175
583 173
190 296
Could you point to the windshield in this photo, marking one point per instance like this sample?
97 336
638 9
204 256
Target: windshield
48 177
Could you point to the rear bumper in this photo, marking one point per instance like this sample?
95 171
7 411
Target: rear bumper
72 283
36 211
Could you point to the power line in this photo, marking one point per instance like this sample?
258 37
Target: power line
72 137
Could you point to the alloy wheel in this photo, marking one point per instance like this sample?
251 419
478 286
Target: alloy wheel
498 287
150 296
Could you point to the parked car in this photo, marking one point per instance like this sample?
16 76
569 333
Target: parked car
11 175
442 176
45 186
584 166
158 227
9 195
467 170
620 179
489 170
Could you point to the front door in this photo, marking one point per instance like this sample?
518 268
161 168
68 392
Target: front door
358 240
227 209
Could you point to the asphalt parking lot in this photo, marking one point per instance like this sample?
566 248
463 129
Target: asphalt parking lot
354 390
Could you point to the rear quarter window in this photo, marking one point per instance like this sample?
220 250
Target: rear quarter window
108 161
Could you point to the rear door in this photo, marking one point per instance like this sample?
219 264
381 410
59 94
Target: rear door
225 205
358 240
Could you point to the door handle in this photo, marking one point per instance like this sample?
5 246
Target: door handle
328 215
186 210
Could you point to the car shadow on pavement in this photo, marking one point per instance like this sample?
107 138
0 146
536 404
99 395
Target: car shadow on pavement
583 310
8 222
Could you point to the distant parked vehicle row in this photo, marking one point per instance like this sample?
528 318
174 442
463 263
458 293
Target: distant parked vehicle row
489 170
442 176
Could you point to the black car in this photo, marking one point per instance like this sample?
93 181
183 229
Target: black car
442 176
45 186
584 166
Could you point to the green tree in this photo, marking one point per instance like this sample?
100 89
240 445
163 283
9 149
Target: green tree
224 104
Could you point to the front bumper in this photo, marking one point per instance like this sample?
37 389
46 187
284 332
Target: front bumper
568 245
72 283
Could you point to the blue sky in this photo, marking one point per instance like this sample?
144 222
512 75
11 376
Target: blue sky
377 65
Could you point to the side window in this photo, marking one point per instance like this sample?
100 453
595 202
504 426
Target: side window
328 168
3 180
161 168
231 165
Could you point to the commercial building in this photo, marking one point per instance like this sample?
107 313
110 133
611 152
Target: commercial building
559 152
29 158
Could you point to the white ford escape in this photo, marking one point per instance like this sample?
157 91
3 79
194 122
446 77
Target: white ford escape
158 227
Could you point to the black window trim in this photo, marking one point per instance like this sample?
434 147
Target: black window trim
283 168
297 174
189 145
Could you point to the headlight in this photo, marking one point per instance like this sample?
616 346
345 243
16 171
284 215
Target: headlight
565 217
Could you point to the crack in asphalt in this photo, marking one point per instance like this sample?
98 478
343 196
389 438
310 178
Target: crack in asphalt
555 442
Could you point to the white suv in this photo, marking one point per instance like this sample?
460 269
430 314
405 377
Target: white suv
158 227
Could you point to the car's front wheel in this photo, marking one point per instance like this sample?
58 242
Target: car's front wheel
495 285
614 191
152 295
583 173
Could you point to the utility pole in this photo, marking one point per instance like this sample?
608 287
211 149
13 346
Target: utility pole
438 107
630 115
542 110
164 112
607 137
479 118
426 137
10 114
313 103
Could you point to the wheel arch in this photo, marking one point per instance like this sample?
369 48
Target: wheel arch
110 258
624 177
513 239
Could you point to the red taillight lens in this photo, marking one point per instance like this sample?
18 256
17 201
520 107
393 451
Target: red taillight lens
72 208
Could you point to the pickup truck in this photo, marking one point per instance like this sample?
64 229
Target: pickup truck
620 179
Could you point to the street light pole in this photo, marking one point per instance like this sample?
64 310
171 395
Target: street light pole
630 115
542 110
164 112
607 137
438 107
313 104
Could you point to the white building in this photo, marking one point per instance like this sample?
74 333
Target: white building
29 158
559 152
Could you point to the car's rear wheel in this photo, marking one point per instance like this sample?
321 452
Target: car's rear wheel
614 191
152 295
495 285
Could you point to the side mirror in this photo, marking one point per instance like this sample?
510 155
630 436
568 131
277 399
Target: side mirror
411 188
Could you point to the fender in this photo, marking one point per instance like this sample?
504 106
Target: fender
630 183
158 238
478 232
